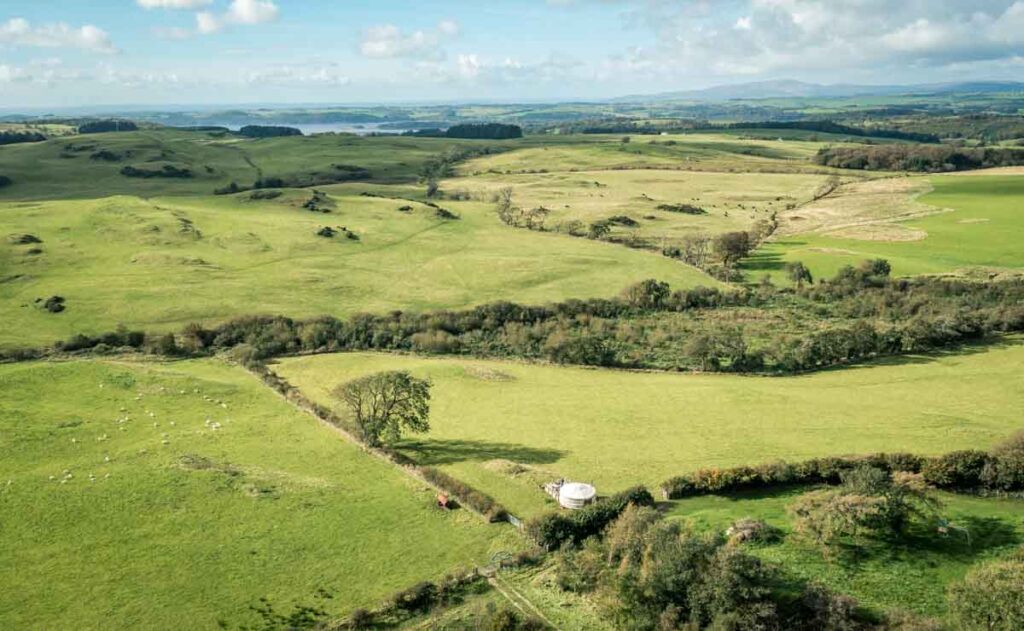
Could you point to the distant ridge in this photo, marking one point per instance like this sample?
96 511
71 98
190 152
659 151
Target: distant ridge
788 88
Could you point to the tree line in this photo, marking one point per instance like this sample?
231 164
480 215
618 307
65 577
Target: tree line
16 137
861 314
472 131
105 126
921 158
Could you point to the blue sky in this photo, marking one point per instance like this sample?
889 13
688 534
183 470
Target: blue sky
97 52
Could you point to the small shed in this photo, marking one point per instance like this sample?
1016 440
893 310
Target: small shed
575 495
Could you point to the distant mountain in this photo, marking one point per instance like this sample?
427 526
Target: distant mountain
788 88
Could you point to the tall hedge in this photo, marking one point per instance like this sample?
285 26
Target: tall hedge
966 470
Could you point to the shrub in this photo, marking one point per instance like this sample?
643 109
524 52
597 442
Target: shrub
753 531
361 619
554 530
1006 471
956 470
871 503
823 610
687 209
418 598
990 597
5 181
167 171
54 304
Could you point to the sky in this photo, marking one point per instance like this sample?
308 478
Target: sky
71 53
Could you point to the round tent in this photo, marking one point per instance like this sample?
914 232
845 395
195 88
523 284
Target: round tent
576 494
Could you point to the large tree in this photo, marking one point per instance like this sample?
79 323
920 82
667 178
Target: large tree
386 403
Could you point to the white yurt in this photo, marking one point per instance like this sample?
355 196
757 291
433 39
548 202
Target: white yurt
576 494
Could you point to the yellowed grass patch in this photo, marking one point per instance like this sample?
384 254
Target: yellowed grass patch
880 232
857 204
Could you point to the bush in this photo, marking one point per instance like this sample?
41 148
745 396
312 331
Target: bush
417 599
956 470
688 209
167 171
871 503
5 181
554 530
1006 471
990 597
749 530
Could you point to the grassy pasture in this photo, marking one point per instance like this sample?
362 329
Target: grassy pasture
733 201
619 428
160 263
983 230
922 566
687 152
63 168
166 520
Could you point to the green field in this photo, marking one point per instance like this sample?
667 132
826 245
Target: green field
211 494
922 566
984 229
65 168
686 152
620 428
158 264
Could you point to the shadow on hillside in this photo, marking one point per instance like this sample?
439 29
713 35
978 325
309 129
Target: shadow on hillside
763 262
435 452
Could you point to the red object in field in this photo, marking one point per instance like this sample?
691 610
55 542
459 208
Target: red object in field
442 500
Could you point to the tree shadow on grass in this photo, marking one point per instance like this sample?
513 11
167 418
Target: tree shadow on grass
762 261
434 452
974 537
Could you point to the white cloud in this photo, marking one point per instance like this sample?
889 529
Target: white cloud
388 41
468 66
243 12
822 36
46 72
173 4
207 23
251 12
19 32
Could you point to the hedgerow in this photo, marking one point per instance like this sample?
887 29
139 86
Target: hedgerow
970 470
